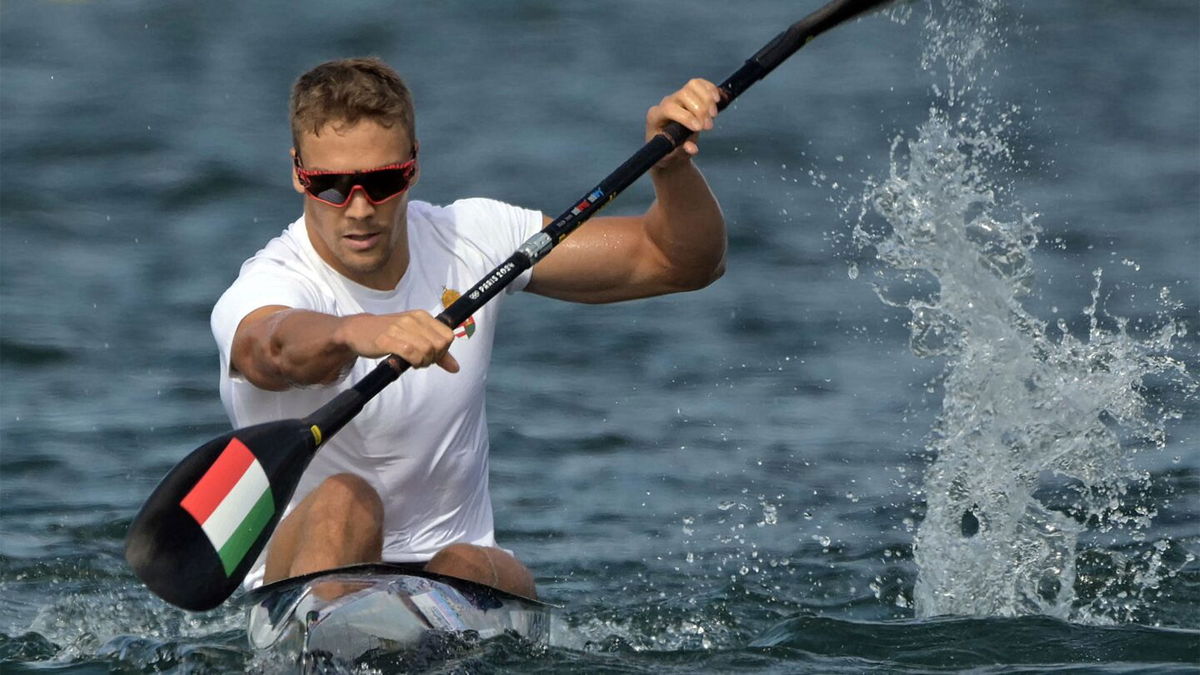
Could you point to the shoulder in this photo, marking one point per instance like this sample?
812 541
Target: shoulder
473 212
487 225
278 274
285 260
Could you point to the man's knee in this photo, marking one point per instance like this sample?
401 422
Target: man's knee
348 496
338 523
485 565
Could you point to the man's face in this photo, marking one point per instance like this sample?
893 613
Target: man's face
367 243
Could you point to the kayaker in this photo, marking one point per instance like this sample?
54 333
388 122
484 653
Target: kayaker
359 276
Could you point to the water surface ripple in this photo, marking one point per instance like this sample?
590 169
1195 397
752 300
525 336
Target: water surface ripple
938 415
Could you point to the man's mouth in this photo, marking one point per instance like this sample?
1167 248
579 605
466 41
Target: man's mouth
362 241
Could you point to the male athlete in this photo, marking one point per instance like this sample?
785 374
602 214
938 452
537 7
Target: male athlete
360 275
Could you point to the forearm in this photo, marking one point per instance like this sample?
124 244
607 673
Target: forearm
277 348
686 224
292 348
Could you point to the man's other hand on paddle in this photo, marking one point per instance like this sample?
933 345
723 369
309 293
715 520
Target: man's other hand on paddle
678 244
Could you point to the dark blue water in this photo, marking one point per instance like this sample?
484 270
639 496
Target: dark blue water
940 414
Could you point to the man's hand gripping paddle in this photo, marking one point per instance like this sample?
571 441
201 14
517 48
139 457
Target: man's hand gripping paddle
207 522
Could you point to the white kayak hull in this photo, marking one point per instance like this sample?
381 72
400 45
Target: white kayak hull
379 608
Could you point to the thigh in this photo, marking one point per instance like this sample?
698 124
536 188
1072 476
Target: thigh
282 547
486 565
339 522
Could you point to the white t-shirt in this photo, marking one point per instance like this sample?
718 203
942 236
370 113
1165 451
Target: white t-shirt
422 443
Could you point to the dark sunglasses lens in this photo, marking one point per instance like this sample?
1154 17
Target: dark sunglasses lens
381 185
333 188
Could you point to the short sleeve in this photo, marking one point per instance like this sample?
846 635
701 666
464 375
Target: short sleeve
500 228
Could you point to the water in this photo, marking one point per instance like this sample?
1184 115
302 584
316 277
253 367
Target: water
939 414
1035 444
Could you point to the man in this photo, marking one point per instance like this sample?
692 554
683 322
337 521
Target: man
350 282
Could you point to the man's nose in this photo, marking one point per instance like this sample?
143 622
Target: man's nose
359 207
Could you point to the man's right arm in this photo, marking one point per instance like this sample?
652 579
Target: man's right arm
276 348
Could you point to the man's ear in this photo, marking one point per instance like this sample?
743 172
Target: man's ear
295 176
416 174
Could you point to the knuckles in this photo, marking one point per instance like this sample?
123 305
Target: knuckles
416 336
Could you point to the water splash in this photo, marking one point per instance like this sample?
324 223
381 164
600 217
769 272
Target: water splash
1034 444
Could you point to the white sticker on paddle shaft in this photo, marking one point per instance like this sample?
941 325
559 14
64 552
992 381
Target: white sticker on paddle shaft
440 610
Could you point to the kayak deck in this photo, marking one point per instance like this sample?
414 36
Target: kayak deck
373 608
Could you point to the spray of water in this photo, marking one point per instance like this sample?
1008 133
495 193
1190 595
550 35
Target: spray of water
1034 444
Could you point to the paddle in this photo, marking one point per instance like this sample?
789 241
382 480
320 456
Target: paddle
200 531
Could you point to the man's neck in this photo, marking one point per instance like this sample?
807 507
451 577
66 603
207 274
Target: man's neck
384 278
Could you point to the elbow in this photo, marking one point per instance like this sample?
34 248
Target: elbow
705 280
701 267
266 382
716 272
249 361
706 272
264 373
696 278
266 364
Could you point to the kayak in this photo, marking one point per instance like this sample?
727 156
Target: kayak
367 610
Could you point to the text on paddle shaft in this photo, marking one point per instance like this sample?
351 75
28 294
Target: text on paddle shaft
495 278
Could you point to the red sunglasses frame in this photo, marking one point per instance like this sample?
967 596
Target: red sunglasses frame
409 169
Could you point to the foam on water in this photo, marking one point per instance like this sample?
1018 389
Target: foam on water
1033 451
119 626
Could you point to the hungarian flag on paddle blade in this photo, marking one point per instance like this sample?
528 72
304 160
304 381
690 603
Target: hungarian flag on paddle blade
232 503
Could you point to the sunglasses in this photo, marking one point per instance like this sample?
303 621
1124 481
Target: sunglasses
378 185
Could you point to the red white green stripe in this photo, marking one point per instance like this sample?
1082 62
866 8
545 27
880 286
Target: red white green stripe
465 329
232 503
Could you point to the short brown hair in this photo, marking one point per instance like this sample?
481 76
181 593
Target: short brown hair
349 90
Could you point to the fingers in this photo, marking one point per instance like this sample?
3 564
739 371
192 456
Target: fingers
421 340
448 363
414 336
694 106
698 102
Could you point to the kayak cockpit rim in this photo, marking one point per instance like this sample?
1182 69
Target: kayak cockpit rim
256 595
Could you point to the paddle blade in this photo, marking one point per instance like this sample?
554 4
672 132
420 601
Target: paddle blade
206 523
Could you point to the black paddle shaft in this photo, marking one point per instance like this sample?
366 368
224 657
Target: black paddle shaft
335 414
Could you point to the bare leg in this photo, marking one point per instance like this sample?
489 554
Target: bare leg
485 565
338 523
341 523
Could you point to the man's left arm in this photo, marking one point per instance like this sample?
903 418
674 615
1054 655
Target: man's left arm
678 244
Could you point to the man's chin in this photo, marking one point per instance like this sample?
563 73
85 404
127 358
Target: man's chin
359 265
